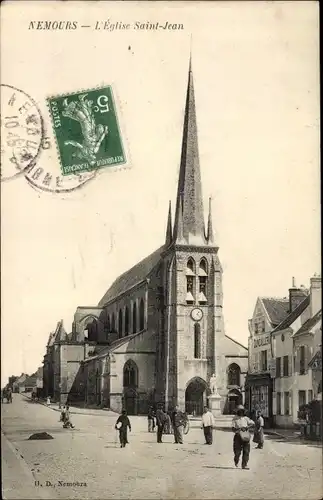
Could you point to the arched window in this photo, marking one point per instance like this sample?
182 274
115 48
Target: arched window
234 374
130 374
203 273
141 315
120 324
108 323
197 340
91 329
113 323
190 266
134 318
126 321
190 281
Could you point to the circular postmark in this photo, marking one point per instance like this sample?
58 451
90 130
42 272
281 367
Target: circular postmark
21 131
44 173
28 150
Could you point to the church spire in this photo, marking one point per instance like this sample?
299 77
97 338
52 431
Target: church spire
169 236
209 236
189 191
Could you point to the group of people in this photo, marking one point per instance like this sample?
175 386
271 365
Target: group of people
241 426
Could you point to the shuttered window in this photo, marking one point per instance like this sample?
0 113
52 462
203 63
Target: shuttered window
285 366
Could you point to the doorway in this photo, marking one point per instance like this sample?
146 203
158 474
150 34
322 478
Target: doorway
195 397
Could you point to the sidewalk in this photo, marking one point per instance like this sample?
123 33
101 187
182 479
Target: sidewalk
74 410
18 482
284 433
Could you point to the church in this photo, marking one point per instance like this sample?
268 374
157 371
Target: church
157 335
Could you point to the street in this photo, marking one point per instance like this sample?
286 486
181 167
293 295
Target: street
90 457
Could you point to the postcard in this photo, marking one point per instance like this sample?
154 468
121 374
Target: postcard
161 276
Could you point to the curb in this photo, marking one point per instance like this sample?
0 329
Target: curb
71 412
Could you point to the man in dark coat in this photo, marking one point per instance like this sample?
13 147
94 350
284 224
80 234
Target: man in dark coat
122 425
160 420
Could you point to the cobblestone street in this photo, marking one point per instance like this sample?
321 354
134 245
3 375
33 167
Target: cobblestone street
90 454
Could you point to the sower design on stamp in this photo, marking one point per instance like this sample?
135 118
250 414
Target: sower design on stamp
87 130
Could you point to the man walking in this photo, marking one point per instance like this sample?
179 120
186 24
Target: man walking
208 424
178 422
122 425
160 420
241 425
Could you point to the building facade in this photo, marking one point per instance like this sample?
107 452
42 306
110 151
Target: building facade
285 340
157 335
296 342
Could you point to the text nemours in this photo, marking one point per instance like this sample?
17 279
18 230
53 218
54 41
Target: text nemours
105 26
62 484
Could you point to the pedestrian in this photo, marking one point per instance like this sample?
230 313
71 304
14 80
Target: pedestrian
259 437
122 425
151 419
63 414
160 421
208 425
241 425
48 401
178 422
67 420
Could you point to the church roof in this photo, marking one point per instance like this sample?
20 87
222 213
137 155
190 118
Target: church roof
236 342
277 309
132 277
289 320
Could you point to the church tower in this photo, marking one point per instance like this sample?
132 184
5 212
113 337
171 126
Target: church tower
190 346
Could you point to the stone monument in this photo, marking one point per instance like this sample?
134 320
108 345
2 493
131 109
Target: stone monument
214 398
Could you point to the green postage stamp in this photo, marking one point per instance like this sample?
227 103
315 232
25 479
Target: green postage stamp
87 130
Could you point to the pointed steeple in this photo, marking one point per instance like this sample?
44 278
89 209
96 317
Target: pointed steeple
189 191
210 237
169 235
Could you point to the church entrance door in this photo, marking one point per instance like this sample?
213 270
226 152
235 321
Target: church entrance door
130 402
195 396
233 400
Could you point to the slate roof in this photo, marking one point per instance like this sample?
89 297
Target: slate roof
132 277
293 315
276 308
306 327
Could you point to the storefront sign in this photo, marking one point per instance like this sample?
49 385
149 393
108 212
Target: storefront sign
260 341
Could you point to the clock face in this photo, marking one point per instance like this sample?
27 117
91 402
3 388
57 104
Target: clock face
197 314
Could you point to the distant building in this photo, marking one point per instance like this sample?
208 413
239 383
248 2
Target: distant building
157 334
19 384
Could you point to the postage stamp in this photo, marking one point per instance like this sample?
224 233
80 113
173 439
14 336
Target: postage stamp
21 131
87 130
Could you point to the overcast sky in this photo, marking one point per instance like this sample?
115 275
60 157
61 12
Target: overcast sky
256 78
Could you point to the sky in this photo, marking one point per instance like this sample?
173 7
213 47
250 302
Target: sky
256 78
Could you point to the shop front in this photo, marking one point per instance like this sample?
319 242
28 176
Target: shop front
259 392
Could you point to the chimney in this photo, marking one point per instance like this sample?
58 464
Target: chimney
296 296
315 294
